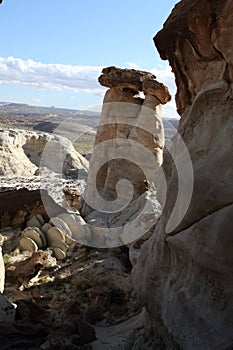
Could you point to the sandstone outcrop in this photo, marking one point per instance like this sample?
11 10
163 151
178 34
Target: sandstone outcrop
135 80
197 34
129 141
22 152
184 273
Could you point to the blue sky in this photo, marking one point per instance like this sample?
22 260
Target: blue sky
52 52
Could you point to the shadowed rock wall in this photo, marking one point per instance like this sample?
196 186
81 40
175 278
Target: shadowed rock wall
184 274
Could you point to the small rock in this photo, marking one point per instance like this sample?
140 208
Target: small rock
58 222
55 234
40 219
34 222
59 254
27 244
72 196
46 227
60 244
33 233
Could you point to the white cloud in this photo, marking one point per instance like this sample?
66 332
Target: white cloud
165 76
50 76
133 65
83 79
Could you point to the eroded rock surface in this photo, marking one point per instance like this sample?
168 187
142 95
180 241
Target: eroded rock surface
23 152
129 141
197 34
183 275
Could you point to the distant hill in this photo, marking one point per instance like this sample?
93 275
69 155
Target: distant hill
77 125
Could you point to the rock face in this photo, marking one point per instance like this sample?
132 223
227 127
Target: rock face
17 206
22 152
197 34
183 274
2 272
130 138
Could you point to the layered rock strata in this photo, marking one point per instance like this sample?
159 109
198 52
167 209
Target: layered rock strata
184 273
130 137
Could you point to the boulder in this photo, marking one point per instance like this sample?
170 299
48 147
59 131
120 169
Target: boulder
124 78
154 88
22 152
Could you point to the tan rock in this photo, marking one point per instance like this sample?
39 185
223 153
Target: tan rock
27 244
43 239
34 235
182 275
54 234
129 144
154 88
190 40
34 222
59 254
60 244
22 152
81 231
40 219
59 223
124 78
46 227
